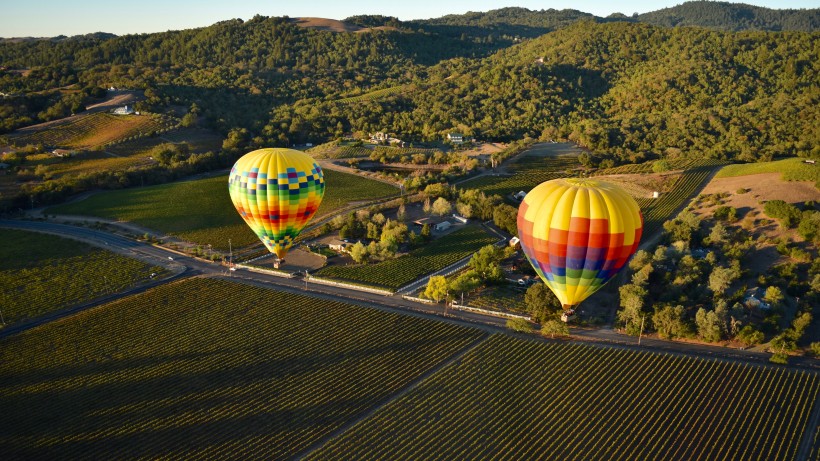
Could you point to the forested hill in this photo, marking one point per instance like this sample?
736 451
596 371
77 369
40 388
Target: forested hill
628 91
733 16
521 22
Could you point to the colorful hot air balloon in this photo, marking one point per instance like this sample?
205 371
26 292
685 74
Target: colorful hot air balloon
276 191
577 233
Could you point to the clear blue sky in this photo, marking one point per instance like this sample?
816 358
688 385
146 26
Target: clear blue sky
48 18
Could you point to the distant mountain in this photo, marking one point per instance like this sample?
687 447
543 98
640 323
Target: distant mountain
510 22
523 22
733 16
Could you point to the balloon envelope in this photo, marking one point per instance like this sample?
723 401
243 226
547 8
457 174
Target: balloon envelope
276 191
577 234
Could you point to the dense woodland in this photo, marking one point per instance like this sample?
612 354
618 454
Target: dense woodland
626 90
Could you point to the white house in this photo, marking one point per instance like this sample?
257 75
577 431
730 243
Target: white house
442 226
338 245
125 110
460 219
455 138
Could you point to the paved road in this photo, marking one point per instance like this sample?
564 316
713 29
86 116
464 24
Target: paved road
197 267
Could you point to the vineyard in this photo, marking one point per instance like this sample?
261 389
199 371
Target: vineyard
511 399
43 273
240 372
201 211
378 94
646 167
91 130
395 273
336 151
657 211
526 173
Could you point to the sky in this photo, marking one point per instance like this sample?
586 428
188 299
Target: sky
49 18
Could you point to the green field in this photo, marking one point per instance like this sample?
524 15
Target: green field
42 273
395 273
207 369
378 94
201 211
512 399
793 169
526 173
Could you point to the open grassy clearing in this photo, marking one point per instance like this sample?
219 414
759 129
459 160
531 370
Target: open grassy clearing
92 130
516 399
42 273
201 211
793 169
395 273
207 368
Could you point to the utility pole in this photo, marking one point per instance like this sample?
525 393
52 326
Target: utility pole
230 258
641 332
306 278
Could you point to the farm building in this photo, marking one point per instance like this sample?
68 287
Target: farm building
125 110
460 219
455 138
442 226
338 245
423 221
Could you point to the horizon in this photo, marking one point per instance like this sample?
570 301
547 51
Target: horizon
50 18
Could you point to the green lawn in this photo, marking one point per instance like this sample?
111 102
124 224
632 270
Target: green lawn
793 169
395 273
201 211
41 273
207 368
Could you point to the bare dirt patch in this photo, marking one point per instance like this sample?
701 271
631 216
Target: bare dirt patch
766 186
330 25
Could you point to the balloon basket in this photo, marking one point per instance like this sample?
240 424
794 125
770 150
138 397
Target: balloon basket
277 263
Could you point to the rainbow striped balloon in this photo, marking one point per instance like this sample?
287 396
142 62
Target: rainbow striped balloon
577 234
276 191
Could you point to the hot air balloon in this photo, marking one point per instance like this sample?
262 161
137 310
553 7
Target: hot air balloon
276 191
577 234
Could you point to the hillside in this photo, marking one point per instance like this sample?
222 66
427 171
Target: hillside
733 16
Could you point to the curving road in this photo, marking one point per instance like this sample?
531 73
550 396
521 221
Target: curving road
188 266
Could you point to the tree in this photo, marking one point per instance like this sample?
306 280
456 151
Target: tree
809 227
401 213
788 214
552 328
425 232
436 288
720 279
506 218
519 325
718 234
441 207
773 295
426 208
669 322
660 166
486 262
465 282
373 232
708 325
632 301
542 304
358 252
749 336
464 209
